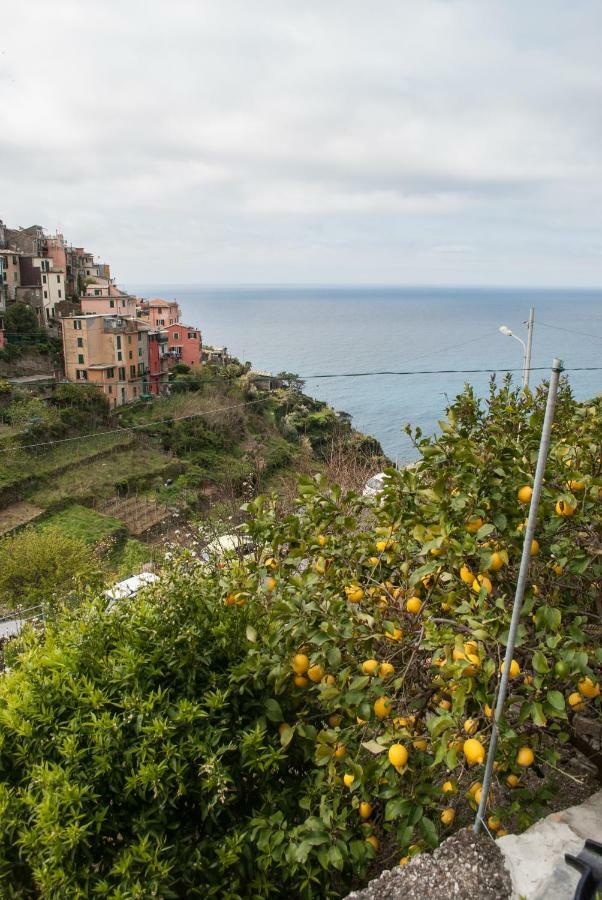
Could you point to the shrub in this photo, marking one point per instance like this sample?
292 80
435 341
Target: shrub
38 567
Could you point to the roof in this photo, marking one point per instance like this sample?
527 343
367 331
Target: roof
157 301
102 366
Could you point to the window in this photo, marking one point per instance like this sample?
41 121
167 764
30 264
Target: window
110 373
129 338
139 335
77 325
121 373
191 334
58 279
118 342
110 389
80 342
14 260
176 335
80 358
139 351
96 293
119 356
135 392
81 375
112 304
43 279
132 371
123 302
60 294
45 295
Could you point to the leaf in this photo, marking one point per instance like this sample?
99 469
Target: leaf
484 530
396 809
286 735
540 663
556 700
334 657
429 831
537 715
373 747
335 857
251 634
273 710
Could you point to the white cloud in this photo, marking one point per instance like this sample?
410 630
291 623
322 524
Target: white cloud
227 140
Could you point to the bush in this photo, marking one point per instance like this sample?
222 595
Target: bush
242 730
39 567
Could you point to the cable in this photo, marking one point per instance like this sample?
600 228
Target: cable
446 372
80 437
597 337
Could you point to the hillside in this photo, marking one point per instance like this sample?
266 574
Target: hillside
191 457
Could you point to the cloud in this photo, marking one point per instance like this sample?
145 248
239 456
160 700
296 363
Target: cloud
227 141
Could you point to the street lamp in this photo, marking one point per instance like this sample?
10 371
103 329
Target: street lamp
526 347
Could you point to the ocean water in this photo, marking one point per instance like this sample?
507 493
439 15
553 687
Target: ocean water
313 330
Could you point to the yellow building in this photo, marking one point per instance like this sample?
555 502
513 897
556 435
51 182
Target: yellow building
108 351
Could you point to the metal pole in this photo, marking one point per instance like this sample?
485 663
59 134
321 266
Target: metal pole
530 324
520 586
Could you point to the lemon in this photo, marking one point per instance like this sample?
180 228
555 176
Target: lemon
373 841
466 575
448 816
413 605
576 701
588 688
354 593
404 860
321 539
382 707
420 744
564 509
470 726
473 751
557 569
493 823
335 720
386 669
348 779
525 757
270 584
501 833
340 751
398 756
514 669
365 810
497 561
576 486
369 666
534 547
448 788
474 787
300 663
381 546
301 680
512 781
282 727
481 581
525 493
487 710
315 673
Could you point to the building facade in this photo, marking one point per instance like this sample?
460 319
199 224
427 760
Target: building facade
111 352
159 313
185 344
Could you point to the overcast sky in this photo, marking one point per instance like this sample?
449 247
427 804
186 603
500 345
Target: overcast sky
339 141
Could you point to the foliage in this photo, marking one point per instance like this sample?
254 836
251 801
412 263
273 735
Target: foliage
86 525
42 567
34 417
5 387
21 325
184 756
85 397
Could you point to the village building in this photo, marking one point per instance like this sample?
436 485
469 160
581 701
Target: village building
159 313
111 352
185 344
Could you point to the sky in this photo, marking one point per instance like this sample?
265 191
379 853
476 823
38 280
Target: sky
309 141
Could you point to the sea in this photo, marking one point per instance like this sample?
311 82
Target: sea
342 331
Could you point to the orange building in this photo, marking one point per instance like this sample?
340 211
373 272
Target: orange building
111 352
184 344
159 313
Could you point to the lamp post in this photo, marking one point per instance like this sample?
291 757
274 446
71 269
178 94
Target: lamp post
526 347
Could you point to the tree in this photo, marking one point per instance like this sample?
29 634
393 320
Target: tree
291 380
21 324
39 567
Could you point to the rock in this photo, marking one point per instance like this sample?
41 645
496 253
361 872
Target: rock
535 858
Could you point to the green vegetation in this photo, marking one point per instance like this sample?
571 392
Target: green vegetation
43 567
85 524
276 726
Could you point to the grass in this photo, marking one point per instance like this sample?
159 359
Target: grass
85 482
85 523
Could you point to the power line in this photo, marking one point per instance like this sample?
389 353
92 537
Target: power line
445 372
597 337
151 424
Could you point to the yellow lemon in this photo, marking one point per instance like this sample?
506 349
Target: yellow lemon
354 593
493 823
474 787
557 568
470 726
473 525
321 539
365 810
413 605
481 581
386 669
373 841
398 755
301 680
340 751
458 653
270 584
576 701
576 486
512 781
369 666
525 757
473 751
348 779
588 688
501 833
497 561
300 663
382 707
514 669
525 493
404 860
381 546
564 509
420 744
315 673
448 788
534 547
448 816
488 710
466 575
394 635
335 720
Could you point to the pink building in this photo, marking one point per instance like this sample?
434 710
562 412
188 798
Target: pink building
107 300
184 343
159 313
